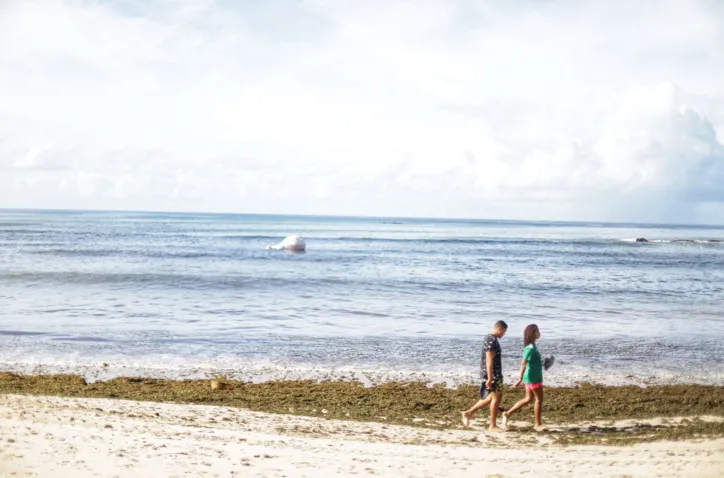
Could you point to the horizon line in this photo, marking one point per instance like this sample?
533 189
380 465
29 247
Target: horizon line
337 216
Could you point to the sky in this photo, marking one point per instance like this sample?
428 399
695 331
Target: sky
515 109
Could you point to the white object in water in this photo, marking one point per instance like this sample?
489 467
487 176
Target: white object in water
290 243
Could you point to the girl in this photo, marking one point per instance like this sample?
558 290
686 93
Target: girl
531 375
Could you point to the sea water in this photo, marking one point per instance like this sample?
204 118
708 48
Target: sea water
195 295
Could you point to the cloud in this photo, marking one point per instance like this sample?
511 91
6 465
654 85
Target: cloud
541 110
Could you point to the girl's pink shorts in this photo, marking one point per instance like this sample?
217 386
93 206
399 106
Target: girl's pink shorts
533 386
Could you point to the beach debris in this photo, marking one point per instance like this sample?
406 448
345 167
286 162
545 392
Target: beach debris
293 243
220 383
641 239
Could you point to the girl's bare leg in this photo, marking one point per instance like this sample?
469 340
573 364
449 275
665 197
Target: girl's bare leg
521 403
538 406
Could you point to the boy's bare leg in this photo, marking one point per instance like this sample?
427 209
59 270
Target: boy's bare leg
494 406
467 414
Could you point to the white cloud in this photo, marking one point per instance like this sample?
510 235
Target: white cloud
553 110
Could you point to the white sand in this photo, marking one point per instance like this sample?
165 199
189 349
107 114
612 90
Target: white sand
61 437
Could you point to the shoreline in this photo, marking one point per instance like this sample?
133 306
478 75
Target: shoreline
101 437
104 371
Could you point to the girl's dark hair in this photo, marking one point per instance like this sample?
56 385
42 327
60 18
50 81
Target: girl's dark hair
529 334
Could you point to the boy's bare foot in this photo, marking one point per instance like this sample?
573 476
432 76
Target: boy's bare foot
539 428
505 420
495 430
466 419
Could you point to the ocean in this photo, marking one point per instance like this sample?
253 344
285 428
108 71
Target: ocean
196 295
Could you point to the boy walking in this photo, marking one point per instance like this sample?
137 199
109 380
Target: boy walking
491 370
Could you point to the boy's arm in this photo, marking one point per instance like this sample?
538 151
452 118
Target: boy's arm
489 356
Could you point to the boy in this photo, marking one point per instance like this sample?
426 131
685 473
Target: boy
491 370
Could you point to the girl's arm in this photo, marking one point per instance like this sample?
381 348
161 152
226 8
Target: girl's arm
522 371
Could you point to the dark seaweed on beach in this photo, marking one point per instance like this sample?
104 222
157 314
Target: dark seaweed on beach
414 403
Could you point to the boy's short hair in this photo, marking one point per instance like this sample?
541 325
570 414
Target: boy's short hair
501 325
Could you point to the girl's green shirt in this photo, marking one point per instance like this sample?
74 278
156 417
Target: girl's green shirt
534 366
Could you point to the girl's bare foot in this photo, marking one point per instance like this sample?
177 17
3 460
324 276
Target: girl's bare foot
539 428
466 419
495 430
505 419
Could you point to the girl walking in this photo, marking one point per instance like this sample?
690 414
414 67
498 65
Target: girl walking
531 375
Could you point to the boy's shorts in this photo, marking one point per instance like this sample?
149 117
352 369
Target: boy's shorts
496 386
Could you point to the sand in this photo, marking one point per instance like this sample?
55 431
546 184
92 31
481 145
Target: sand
86 437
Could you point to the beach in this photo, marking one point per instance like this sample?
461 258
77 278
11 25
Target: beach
358 356
61 425
59 437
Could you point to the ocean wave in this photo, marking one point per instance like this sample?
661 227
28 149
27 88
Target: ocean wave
121 252
392 287
367 358
21 333
219 248
673 241
40 236
184 281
